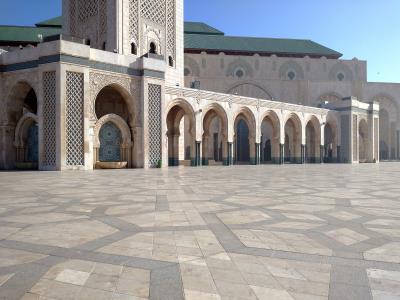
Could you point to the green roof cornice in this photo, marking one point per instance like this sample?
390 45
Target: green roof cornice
54 22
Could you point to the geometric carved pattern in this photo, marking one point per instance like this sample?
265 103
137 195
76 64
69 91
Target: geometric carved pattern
171 36
154 124
72 17
153 10
98 81
87 9
355 138
134 21
249 90
49 118
74 120
103 16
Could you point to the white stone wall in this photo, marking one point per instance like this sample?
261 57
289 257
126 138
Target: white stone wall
268 77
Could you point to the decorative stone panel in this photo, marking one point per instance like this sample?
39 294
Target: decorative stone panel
49 119
154 11
239 64
87 9
355 138
171 31
98 81
154 129
75 153
134 21
340 72
88 20
72 17
103 16
291 70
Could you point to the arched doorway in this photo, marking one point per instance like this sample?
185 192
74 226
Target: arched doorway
27 142
242 142
114 143
21 145
363 141
244 138
215 133
292 149
270 134
313 141
181 134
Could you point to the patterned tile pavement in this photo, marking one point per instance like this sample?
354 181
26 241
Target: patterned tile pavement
247 232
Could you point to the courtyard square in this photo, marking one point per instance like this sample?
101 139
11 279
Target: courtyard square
292 232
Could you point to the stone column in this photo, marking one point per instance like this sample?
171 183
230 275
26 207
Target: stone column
197 159
321 154
303 154
398 145
281 154
257 158
229 158
171 149
206 150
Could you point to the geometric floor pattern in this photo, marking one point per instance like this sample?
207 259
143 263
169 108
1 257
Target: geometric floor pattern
293 232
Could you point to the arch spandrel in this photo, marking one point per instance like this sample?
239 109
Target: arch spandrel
249 117
219 111
250 89
15 98
275 118
186 109
126 86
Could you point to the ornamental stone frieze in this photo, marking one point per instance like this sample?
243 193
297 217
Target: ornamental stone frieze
98 81
233 99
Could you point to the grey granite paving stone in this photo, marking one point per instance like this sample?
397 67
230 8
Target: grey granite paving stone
274 229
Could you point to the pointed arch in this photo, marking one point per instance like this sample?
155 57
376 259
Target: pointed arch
215 135
270 137
293 139
181 133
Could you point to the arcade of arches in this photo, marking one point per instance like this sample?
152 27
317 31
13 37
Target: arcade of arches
197 132
300 143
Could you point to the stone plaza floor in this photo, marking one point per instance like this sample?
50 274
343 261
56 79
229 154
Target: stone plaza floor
245 232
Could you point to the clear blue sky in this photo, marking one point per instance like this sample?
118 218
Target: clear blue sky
366 29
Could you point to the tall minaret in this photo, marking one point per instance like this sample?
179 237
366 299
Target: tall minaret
130 27
92 20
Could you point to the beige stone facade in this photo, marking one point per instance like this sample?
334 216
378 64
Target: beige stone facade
109 92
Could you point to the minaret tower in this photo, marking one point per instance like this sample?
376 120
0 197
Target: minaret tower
130 27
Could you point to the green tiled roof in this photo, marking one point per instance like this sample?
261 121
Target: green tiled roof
54 22
25 34
198 37
201 28
257 45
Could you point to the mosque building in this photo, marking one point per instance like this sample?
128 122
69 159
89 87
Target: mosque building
129 84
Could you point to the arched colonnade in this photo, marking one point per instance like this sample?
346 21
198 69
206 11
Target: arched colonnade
221 133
